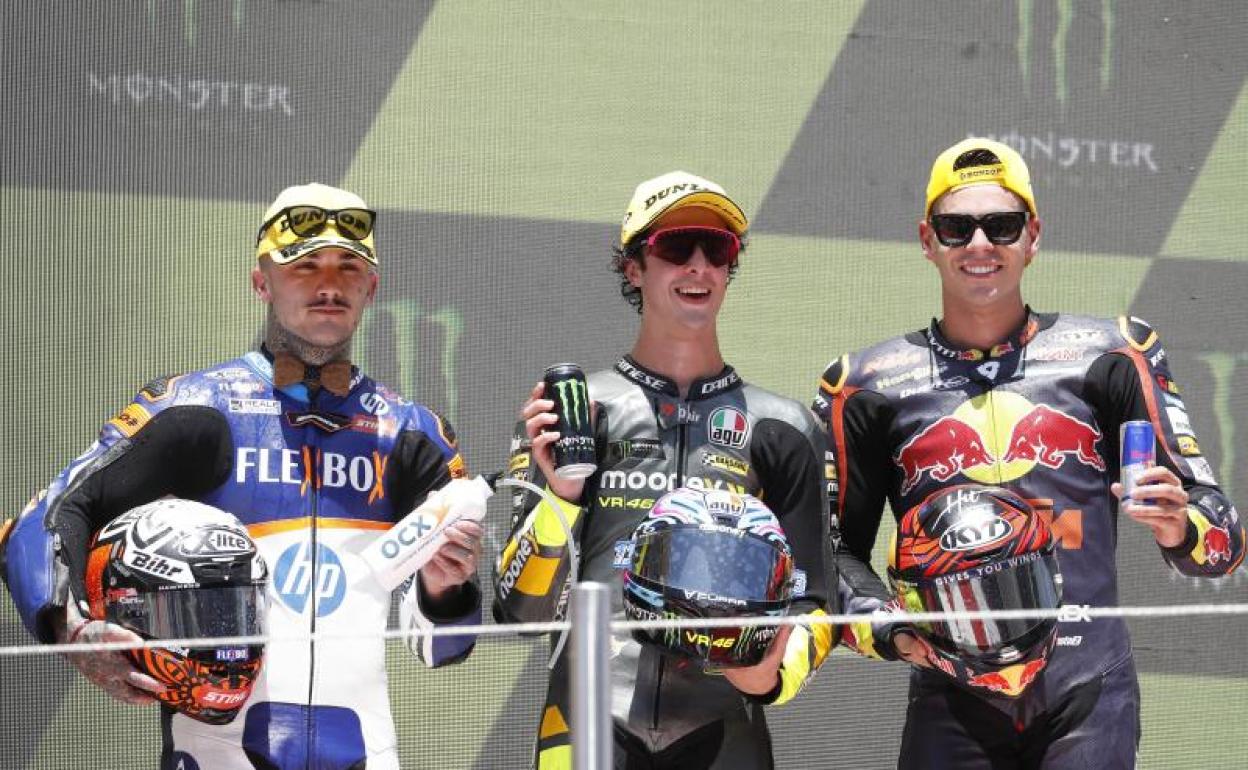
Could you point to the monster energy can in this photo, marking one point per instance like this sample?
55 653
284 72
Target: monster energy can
574 451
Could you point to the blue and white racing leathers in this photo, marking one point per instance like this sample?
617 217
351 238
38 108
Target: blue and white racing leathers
316 478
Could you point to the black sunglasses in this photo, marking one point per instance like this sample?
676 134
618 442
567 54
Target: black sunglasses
1000 227
306 221
677 245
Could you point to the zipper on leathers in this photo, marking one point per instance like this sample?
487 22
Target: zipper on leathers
313 498
679 482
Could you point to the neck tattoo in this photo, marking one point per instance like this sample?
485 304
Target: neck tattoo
279 339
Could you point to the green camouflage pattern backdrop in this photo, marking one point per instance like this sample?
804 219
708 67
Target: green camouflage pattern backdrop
500 140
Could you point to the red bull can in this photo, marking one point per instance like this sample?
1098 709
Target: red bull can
1138 446
574 451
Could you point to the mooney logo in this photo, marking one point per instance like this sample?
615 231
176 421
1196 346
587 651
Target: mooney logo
662 482
524 550
573 402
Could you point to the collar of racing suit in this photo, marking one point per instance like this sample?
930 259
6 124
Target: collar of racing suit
706 387
1032 323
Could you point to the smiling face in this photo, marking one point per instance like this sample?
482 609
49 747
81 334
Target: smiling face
981 276
320 297
687 295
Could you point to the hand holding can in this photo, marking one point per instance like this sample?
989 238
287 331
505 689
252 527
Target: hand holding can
1137 442
574 451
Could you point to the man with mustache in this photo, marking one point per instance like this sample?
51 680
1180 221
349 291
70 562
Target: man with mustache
318 460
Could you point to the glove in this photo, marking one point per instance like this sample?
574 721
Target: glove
111 671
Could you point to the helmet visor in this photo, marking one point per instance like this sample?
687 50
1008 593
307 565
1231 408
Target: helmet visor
1028 582
190 611
720 562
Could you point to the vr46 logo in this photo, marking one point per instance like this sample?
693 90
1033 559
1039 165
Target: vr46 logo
703 639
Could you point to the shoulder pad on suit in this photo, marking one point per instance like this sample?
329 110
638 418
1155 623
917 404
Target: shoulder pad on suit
159 388
835 375
1137 332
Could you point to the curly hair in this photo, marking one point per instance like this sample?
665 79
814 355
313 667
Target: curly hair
633 250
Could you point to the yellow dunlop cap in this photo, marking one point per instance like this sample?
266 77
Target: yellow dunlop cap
655 197
1004 167
282 245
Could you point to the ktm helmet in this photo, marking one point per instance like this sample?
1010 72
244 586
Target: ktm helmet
709 554
979 548
178 569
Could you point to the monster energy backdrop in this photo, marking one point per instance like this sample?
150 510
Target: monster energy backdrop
500 141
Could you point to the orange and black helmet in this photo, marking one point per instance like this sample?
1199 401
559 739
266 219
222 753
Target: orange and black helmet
178 569
974 548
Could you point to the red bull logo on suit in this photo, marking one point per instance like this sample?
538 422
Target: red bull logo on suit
997 437
1217 542
1011 680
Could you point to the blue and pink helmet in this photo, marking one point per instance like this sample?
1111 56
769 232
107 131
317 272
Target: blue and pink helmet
709 554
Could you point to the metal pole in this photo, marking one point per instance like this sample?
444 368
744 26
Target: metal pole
592 740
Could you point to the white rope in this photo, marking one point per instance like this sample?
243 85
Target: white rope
1067 612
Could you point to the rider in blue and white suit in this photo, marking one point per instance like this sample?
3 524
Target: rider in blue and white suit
317 460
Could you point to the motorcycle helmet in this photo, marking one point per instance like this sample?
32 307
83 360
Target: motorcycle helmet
709 554
178 569
977 548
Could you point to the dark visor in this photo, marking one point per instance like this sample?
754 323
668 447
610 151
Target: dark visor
190 612
1026 582
716 561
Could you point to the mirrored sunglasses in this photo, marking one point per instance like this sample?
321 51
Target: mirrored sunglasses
678 244
307 221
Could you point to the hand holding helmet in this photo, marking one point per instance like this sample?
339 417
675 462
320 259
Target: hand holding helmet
111 671
709 554
177 569
977 548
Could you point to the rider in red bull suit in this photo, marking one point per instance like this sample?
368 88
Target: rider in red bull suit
317 460
997 393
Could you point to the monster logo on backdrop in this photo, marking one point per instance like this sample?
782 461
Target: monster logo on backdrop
1097 96
166 113
414 351
199 99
